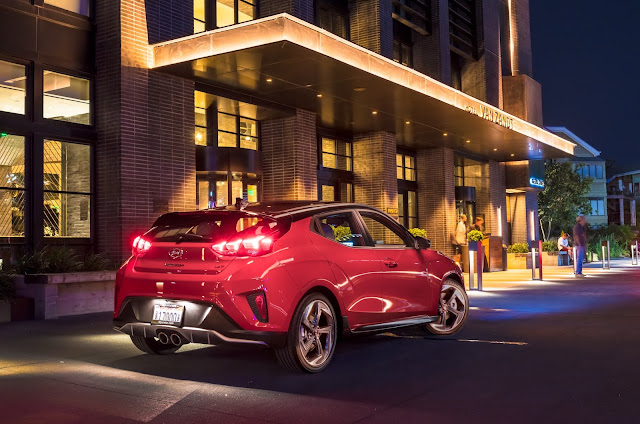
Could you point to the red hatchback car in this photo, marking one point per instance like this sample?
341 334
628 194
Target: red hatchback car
291 276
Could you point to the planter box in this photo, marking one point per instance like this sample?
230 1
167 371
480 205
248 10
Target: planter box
518 260
57 295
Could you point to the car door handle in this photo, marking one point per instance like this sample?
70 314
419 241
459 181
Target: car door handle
390 263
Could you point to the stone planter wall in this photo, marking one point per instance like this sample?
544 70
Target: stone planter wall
58 295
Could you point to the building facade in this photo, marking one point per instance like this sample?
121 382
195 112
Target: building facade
624 195
114 112
588 163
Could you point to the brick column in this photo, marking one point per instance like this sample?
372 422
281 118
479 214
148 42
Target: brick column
303 9
437 196
145 153
374 170
372 25
290 157
497 200
431 53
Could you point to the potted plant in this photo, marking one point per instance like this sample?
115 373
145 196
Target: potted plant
518 256
474 238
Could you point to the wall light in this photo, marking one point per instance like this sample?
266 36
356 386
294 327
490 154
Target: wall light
445 134
408 122
269 80
319 95
468 141
533 225
500 221
375 112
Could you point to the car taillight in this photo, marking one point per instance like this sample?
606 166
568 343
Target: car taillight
258 303
140 245
248 246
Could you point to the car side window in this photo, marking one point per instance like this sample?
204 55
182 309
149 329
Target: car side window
382 232
341 228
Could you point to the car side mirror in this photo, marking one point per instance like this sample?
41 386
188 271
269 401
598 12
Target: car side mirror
422 243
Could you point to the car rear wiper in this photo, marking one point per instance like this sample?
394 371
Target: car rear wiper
183 236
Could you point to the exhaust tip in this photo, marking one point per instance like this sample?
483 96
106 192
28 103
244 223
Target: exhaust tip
176 339
164 339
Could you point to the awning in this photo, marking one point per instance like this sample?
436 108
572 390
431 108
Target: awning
284 60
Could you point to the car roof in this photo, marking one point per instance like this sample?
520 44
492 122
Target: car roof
296 209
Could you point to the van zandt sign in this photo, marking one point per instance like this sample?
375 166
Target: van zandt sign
492 115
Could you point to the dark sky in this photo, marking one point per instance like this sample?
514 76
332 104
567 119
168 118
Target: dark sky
586 55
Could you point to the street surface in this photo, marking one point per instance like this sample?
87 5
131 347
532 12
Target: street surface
564 351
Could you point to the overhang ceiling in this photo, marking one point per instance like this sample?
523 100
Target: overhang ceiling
285 61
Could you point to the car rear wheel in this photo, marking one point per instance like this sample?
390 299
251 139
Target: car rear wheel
453 309
312 335
153 346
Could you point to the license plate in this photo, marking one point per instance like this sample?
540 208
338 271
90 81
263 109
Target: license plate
167 313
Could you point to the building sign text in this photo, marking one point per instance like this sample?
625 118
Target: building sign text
492 115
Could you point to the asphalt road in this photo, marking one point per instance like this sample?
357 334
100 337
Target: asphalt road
546 352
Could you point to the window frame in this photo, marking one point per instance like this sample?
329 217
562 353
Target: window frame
72 74
91 194
316 227
336 155
28 92
237 133
410 242
28 191
48 5
211 18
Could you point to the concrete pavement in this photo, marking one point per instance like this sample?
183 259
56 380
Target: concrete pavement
562 350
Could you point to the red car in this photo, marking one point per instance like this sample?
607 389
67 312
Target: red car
291 276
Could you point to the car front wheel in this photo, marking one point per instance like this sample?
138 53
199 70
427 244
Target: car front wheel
453 309
312 336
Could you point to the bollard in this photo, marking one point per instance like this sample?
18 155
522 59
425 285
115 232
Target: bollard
575 258
634 253
606 254
536 251
476 262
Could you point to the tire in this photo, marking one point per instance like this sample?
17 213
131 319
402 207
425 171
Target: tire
454 298
152 346
312 336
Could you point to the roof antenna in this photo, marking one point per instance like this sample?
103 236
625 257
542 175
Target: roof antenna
241 203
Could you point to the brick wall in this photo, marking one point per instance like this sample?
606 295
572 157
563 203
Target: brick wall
436 196
523 60
303 9
431 54
145 154
290 158
374 170
372 25
521 206
498 199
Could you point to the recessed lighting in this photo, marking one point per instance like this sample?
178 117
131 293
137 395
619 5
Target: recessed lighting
408 122
512 154
269 80
495 150
308 85
359 89
468 141
445 134
375 112
319 95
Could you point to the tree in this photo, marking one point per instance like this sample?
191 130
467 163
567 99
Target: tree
563 198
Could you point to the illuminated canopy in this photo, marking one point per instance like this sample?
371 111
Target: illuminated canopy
283 60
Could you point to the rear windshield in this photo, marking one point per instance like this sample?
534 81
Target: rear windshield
207 227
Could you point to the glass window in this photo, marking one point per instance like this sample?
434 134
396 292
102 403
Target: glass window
248 134
406 167
67 189
346 192
201 126
381 232
225 13
412 209
199 16
232 127
597 207
341 228
12 186
599 174
337 154
328 193
66 98
13 83
246 11
252 193
236 190
78 6
203 194
222 193
333 16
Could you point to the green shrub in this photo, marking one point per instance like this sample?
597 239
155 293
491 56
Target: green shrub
475 235
62 259
7 288
619 236
549 246
518 248
342 233
97 262
31 263
418 232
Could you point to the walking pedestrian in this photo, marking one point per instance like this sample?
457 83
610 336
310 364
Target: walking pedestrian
580 243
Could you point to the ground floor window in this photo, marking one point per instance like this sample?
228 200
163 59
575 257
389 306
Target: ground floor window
12 185
408 208
67 189
336 191
222 189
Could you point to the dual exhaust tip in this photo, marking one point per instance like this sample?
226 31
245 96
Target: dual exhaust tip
174 339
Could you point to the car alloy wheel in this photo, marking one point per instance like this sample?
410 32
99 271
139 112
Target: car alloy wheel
453 309
312 336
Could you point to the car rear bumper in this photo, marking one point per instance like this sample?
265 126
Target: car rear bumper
203 323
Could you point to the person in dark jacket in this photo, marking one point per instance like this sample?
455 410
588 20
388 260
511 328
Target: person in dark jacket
580 242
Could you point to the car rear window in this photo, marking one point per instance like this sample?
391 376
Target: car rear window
206 227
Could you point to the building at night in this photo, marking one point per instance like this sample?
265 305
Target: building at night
114 112
589 164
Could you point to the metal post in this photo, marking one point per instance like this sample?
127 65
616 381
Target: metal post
540 258
480 265
471 269
575 259
606 255
634 254
533 263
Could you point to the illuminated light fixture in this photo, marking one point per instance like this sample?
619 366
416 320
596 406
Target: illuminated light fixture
468 141
512 44
533 226
199 137
308 85
500 221
359 89
495 150
247 138
408 122
269 80
3 134
375 112
319 95
512 154
445 134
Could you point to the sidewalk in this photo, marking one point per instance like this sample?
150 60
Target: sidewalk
521 278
